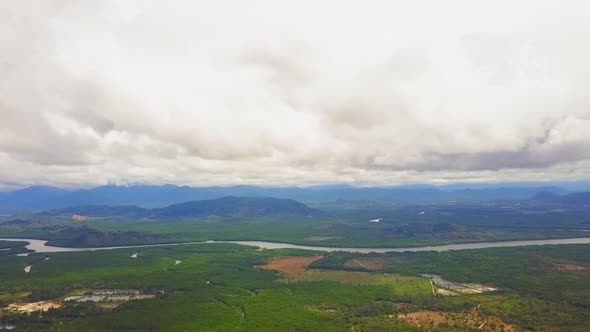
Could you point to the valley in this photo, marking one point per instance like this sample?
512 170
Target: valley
489 266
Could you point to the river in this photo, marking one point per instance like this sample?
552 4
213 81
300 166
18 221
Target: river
40 245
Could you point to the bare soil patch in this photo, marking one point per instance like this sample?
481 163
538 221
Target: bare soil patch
291 266
431 320
570 267
79 217
33 306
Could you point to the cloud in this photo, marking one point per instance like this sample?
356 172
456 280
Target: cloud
299 93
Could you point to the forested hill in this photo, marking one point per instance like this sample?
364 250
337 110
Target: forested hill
226 206
237 206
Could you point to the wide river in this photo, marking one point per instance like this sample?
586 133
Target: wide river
40 245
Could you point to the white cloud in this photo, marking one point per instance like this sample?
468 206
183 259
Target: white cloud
273 92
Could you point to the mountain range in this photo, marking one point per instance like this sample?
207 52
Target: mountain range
226 206
39 198
547 197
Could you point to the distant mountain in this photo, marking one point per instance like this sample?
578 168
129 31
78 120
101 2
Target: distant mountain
38 197
578 199
236 206
546 197
582 198
229 206
43 198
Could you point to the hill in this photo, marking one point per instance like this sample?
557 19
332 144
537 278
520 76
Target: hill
37 197
581 198
236 207
229 206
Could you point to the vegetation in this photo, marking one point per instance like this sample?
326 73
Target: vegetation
222 287
12 248
229 287
540 286
339 224
216 287
225 206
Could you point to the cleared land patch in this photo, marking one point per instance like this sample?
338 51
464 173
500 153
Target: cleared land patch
107 298
79 217
33 306
471 319
291 266
450 288
295 269
569 267
367 263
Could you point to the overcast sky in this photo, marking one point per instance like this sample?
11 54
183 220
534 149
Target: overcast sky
293 92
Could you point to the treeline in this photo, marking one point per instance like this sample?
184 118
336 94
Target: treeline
13 248
88 237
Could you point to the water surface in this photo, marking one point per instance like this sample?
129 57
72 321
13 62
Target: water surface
40 245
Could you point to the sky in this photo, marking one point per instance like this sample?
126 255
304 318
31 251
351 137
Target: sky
293 92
